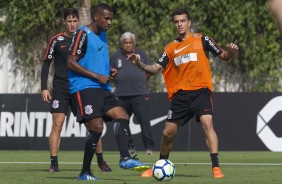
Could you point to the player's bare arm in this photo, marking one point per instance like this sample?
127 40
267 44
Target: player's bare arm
232 49
73 65
153 69
46 96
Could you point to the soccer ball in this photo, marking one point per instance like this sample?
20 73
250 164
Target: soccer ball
163 170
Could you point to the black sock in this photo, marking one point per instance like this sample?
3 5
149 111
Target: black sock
89 150
54 161
163 156
214 159
121 127
100 157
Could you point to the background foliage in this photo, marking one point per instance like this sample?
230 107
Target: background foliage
257 66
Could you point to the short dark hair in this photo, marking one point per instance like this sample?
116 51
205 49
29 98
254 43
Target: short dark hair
181 12
71 11
99 7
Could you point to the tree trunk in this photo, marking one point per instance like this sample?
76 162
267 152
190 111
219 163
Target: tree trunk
84 12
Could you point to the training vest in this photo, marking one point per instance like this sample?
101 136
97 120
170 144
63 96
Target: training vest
96 59
188 67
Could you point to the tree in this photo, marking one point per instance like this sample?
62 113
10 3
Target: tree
256 67
28 26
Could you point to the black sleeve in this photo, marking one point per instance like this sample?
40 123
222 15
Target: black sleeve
79 44
48 58
44 74
210 46
163 60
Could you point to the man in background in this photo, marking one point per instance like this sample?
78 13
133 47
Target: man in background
131 88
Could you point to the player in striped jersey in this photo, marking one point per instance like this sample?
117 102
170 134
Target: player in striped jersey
57 51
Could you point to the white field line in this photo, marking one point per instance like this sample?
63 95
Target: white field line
231 164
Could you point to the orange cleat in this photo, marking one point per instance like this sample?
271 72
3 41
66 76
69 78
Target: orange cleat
217 172
148 173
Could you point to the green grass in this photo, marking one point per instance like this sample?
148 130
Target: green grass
191 167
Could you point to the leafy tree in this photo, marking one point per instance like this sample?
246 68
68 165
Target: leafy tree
28 25
256 67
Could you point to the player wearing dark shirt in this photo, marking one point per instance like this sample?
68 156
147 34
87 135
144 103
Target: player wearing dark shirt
57 51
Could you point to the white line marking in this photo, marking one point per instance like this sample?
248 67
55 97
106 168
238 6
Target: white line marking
234 164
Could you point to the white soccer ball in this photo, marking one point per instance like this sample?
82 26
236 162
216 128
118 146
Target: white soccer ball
163 170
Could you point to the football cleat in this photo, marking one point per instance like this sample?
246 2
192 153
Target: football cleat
148 173
130 163
217 172
53 169
104 167
87 176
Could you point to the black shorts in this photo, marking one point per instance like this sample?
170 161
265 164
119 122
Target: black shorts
92 103
186 104
60 102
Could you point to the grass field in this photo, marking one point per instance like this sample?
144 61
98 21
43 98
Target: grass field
191 167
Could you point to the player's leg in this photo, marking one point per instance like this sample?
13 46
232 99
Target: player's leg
121 126
102 164
141 111
212 143
169 133
95 132
125 102
87 108
55 140
59 109
205 116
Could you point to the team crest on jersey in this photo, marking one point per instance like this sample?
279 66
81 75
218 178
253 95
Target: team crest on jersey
88 109
169 114
195 34
60 38
87 30
55 104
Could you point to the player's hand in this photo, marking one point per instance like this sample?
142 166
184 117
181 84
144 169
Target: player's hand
46 97
102 78
232 48
114 72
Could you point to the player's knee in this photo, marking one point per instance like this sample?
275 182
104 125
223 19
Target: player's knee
97 127
123 115
57 126
167 134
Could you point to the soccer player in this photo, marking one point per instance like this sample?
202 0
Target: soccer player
57 51
90 89
186 70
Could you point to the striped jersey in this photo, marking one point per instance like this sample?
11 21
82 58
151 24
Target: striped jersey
57 51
